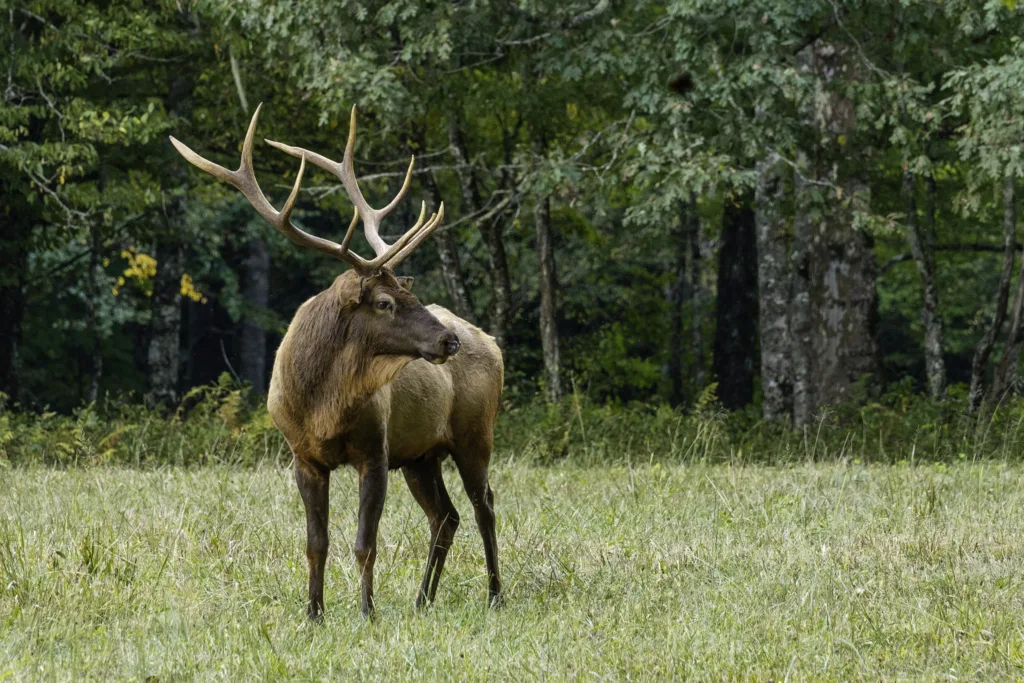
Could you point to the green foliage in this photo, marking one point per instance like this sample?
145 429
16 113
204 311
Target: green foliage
214 426
217 424
561 99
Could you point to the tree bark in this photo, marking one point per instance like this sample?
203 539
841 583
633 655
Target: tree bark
984 349
548 299
736 328
773 289
922 248
91 322
451 272
491 231
12 300
501 305
1006 371
843 303
842 270
444 240
166 325
677 293
256 292
696 306
800 330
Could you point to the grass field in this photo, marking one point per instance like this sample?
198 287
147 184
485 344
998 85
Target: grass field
833 571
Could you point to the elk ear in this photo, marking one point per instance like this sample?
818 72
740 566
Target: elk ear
365 285
348 290
405 281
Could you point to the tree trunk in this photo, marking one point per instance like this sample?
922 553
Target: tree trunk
736 328
548 299
696 307
922 248
12 301
800 317
166 323
843 304
444 240
773 289
984 350
1006 371
91 322
501 305
843 301
491 230
256 293
451 272
677 293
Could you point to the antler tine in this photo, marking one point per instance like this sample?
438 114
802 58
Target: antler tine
345 172
347 175
244 180
427 231
351 231
401 193
384 258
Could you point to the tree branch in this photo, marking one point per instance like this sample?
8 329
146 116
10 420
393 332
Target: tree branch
967 247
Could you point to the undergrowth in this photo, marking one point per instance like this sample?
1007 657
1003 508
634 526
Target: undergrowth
223 424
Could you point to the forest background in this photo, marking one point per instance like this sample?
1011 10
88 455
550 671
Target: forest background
800 211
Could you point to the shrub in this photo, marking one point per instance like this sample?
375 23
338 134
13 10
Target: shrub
223 424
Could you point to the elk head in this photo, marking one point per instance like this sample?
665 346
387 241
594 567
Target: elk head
391 319
386 319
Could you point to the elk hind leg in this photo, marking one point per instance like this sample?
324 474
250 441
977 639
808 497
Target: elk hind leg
427 486
473 463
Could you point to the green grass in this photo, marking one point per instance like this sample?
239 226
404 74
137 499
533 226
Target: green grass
834 571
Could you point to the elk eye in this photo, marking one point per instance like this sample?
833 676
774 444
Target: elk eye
383 305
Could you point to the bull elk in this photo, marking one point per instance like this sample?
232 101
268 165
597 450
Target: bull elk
369 377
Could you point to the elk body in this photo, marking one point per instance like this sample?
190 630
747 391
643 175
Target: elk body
367 376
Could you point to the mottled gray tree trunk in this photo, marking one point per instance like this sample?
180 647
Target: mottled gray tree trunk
734 358
844 304
984 349
922 248
841 272
800 318
256 292
773 286
164 340
548 299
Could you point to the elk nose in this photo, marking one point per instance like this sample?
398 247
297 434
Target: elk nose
450 343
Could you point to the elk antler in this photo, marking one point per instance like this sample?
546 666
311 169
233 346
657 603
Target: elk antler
390 254
244 179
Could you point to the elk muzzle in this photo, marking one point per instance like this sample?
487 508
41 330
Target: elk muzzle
445 347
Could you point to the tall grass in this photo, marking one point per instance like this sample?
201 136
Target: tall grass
221 424
649 572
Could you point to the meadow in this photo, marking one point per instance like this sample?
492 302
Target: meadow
686 569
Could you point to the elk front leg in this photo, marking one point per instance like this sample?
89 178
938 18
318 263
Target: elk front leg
373 487
313 483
